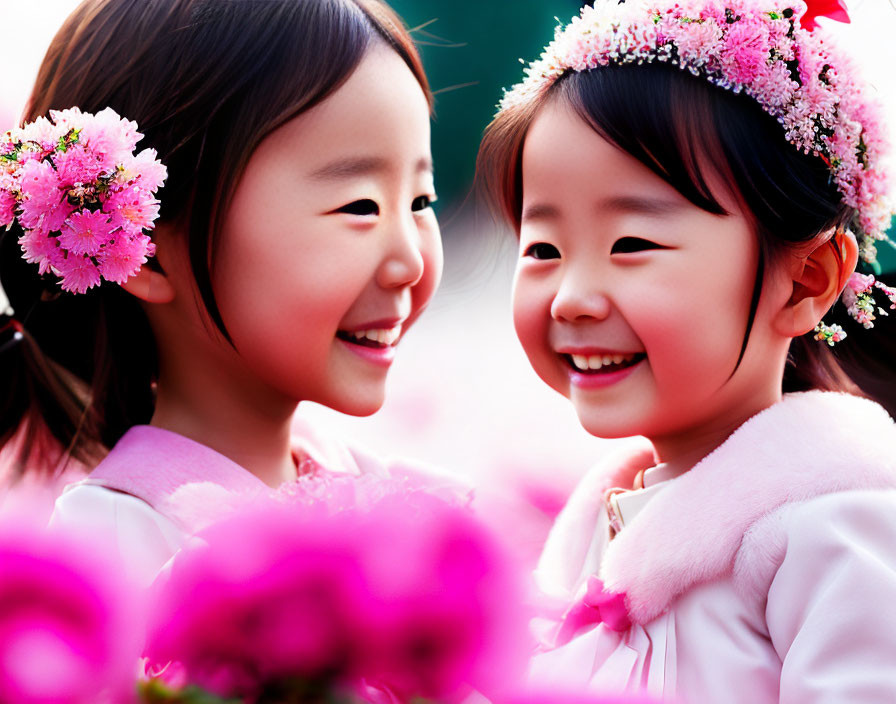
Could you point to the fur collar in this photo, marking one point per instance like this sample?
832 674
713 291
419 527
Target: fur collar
808 445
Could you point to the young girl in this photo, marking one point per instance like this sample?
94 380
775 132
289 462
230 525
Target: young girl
295 246
692 183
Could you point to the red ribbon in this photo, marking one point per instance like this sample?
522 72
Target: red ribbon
597 606
12 323
834 9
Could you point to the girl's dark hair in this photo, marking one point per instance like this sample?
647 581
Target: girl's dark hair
679 125
206 81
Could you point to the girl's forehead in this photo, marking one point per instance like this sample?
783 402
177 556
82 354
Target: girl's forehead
565 154
379 115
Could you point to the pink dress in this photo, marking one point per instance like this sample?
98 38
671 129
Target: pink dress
767 573
156 488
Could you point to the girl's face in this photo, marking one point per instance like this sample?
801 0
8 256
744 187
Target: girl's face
330 249
630 300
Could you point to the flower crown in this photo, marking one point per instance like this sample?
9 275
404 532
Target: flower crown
769 49
81 196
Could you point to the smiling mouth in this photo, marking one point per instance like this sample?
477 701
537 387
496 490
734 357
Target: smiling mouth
376 338
602 363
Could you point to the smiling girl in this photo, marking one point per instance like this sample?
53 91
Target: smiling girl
692 184
295 247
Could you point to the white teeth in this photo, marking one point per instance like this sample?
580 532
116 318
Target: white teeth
384 336
592 362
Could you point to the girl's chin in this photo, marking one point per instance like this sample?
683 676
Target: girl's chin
608 424
359 406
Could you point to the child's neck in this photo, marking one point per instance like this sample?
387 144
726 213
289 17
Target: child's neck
677 465
258 442
677 454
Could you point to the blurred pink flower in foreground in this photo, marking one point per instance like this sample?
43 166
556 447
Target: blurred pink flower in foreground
553 697
66 636
409 597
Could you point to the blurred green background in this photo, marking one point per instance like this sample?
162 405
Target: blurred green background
471 50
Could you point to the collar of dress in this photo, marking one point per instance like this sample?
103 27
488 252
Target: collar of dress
807 445
193 484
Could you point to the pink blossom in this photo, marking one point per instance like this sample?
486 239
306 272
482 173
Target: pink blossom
446 605
132 208
85 232
121 260
42 133
109 135
78 165
146 171
66 634
78 273
859 283
7 207
409 597
267 596
43 200
746 51
696 41
39 248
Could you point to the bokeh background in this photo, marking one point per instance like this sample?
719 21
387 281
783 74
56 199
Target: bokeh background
462 396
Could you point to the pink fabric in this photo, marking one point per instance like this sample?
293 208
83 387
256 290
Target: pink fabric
193 485
155 465
596 606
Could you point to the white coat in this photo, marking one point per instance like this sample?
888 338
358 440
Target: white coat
766 573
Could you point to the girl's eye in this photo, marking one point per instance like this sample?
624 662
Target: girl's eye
422 203
627 245
360 207
542 250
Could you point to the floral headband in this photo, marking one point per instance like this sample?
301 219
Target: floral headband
771 50
81 196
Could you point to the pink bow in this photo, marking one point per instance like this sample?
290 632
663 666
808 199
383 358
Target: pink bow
835 9
597 606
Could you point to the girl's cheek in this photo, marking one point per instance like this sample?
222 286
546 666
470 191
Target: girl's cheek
433 262
530 312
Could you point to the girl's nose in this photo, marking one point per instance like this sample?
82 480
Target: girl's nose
579 299
403 263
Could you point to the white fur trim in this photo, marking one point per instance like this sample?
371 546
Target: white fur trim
807 445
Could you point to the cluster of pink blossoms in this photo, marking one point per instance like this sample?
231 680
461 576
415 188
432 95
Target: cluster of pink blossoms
407 599
81 195
71 627
763 48
859 301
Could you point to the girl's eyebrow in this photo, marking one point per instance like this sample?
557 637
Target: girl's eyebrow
352 167
540 211
641 205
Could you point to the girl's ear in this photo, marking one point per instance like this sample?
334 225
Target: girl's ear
817 279
152 284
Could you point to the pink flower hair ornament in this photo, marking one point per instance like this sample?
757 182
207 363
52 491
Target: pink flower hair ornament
773 51
81 195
